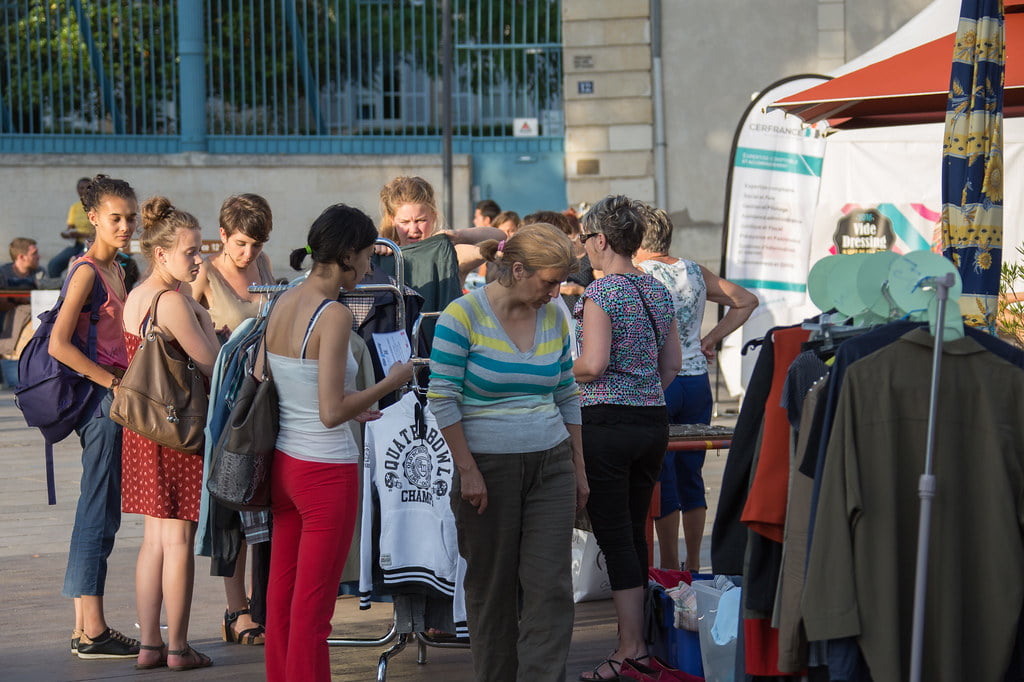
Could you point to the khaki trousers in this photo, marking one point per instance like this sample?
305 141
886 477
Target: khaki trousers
518 580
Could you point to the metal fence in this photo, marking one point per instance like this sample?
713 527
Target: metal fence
313 72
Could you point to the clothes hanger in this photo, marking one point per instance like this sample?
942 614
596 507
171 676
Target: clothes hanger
915 282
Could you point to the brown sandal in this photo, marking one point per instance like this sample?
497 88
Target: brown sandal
199 660
159 663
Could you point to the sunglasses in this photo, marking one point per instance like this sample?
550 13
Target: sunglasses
587 235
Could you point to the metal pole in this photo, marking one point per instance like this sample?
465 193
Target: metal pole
96 60
926 485
302 58
447 55
660 165
192 75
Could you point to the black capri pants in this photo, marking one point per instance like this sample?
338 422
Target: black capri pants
623 446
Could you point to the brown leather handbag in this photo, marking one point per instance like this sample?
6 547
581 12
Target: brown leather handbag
162 395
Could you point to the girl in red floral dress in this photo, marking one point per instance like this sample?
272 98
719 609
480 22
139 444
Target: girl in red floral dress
158 482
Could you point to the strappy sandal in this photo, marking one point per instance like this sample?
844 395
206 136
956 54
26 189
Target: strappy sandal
159 663
254 636
612 664
199 660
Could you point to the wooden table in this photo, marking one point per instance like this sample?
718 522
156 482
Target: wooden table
684 438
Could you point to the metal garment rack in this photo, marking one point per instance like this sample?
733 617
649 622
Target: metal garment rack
926 483
360 288
422 639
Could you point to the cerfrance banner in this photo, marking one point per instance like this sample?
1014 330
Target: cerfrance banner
772 191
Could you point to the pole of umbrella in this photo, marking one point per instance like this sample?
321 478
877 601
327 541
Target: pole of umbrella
447 79
926 484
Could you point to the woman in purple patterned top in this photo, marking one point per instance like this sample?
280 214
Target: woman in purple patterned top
629 353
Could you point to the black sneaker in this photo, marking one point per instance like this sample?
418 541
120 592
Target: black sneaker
111 644
76 635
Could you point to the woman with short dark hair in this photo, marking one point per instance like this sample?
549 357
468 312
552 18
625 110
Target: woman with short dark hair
629 353
223 287
315 478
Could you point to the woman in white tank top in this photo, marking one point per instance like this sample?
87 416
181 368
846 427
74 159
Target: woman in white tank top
315 477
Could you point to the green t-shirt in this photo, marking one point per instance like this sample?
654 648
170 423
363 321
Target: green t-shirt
431 268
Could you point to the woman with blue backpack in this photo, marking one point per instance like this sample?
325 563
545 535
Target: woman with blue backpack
112 209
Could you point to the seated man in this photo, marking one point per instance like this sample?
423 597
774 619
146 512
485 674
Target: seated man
23 273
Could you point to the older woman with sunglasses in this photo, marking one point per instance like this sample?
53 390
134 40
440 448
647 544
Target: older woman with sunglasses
629 353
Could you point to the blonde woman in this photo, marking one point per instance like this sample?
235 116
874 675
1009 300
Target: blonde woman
501 361
436 260
160 483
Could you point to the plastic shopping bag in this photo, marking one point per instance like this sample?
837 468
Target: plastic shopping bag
589 572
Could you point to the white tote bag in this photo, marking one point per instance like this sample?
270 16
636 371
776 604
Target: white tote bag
589 572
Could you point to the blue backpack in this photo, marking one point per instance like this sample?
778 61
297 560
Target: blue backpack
51 396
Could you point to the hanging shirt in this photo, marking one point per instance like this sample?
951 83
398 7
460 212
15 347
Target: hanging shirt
861 568
408 468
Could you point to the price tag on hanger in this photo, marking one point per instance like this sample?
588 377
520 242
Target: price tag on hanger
392 347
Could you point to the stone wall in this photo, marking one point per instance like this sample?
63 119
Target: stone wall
608 112
36 190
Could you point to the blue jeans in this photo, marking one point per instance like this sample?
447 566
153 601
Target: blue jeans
10 372
689 401
99 504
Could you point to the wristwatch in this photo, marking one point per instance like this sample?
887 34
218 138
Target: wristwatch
114 382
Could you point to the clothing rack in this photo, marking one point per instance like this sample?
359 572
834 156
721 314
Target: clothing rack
422 639
829 331
360 288
926 484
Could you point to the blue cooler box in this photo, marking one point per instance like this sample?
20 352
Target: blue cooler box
680 648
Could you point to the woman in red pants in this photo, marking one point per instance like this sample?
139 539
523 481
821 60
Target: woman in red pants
315 479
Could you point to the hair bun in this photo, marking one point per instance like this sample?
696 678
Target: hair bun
156 209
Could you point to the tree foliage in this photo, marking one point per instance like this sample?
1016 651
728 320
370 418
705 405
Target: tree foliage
59 77
111 66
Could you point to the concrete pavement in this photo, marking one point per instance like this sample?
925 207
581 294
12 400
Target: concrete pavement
36 622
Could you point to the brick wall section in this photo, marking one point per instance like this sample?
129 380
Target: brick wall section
608 99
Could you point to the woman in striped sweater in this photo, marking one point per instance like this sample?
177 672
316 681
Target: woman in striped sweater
502 389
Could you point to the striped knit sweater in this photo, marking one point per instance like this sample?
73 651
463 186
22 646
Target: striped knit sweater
508 401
